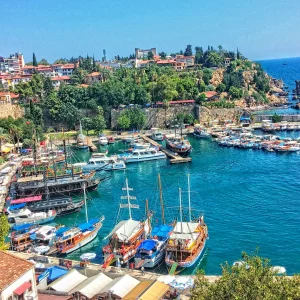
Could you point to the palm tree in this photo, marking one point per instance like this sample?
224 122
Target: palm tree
4 137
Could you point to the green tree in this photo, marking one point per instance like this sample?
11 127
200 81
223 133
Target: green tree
150 55
276 118
4 230
124 121
162 55
198 55
255 279
221 88
201 98
43 61
4 137
48 86
87 124
34 61
99 121
188 51
235 92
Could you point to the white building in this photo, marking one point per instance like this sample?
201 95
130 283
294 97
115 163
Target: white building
17 278
12 64
57 81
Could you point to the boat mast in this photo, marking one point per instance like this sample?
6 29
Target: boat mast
148 217
80 127
128 199
65 152
189 195
180 209
161 200
53 162
84 195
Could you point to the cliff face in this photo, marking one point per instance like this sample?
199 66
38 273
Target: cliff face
217 77
13 110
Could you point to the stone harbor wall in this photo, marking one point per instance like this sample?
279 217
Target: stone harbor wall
13 110
209 115
159 117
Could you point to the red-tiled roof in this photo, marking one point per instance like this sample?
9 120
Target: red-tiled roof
14 96
53 297
44 69
84 85
61 78
165 61
210 94
28 67
68 66
11 268
93 74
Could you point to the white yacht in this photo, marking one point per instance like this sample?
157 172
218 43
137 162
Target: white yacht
139 155
19 214
99 161
103 141
156 134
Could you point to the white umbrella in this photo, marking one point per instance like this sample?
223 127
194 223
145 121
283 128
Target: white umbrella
88 256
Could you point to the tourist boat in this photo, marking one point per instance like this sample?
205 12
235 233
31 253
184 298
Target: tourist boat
99 161
69 240
200 133
139 155
156 134
103 141
62 206
111 140
43 239
152 251
179 145
19 214
81 139
187 241
26 186
126 236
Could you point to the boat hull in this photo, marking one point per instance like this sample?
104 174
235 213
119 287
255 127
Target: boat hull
152 262
189 264
141 159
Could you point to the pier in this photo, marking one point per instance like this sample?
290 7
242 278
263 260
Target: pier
174 159
91 145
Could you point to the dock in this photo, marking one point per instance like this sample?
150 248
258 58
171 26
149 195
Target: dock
174 159
91 145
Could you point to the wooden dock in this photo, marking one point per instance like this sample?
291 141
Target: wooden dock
91 145
174 159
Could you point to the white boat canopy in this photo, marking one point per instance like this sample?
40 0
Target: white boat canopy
67 282
125 229
121 286
185 227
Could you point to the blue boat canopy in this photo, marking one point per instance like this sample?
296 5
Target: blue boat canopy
60 231
33 236
147 245
89 225
18 206
21 227
162 231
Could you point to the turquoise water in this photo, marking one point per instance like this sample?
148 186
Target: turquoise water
249 198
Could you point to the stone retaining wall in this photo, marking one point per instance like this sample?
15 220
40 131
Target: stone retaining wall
288 118
13 110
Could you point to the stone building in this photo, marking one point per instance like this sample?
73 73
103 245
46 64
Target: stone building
143 53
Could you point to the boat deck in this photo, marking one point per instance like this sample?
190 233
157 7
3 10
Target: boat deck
174 159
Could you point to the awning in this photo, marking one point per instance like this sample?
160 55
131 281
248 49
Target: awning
18 206
147 245
27 199
156 291
22 288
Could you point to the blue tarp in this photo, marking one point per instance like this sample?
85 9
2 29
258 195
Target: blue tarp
89 225
147 245
161 231
33 236
245 119
18 206
52 273
21 227
61 230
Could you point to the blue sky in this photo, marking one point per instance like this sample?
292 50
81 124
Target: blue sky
52 29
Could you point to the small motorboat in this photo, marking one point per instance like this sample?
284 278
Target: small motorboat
103 141
111 140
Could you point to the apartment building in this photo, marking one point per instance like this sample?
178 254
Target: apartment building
143 53
12 64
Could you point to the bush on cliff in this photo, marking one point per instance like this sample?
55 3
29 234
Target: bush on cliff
253 279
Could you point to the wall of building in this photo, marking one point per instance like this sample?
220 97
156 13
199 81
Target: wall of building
12 110
28 276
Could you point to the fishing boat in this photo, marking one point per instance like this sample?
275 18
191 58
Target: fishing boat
19 214
81 139
62 206
179 145
200 132
156 134
139 155
187 241
103 141
126 236
69 240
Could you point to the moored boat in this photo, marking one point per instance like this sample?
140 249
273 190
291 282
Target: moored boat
139 155
103 141
179 145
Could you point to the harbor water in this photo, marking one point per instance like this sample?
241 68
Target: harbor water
249 198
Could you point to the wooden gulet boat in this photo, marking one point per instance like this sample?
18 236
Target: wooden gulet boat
126 236
72 239
187 241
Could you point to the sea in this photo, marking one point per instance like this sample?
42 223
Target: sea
249 198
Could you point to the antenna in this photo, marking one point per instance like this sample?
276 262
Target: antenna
189 195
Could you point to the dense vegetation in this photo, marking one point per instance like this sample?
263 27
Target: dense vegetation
254 280
124 86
